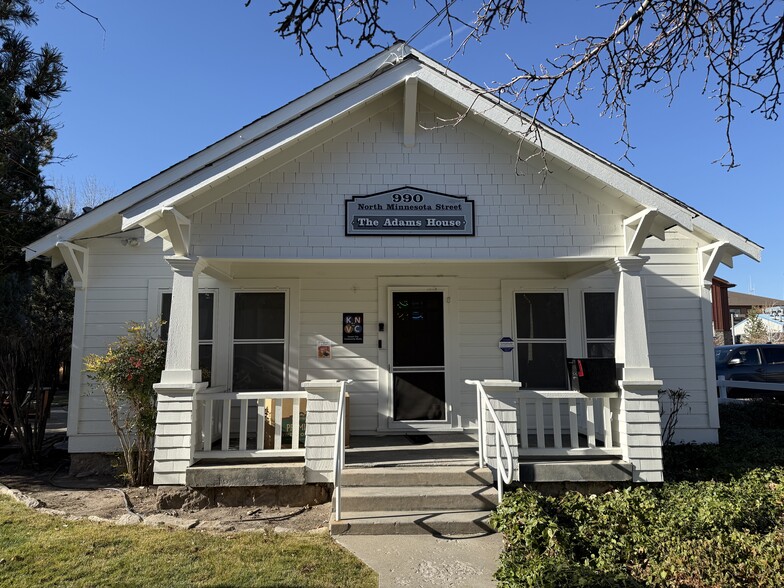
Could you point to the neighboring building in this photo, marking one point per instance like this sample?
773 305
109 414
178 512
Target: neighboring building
352 235
722 319
774 325
740 304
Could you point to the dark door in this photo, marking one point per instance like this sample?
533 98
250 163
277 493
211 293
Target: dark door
418 374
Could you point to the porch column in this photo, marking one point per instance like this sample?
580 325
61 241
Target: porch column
175 434
639 419
504 398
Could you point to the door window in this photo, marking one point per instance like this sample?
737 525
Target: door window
418 372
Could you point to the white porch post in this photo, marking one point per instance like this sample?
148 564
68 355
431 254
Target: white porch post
175 432
639 419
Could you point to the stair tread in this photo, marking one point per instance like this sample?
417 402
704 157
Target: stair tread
415 490
389 515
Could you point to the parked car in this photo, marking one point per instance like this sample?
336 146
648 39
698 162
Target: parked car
751 363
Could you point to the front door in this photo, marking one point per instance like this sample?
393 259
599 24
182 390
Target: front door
417 357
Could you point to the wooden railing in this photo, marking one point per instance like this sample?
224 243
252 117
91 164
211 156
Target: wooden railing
568 423
339 456
503 461
249 424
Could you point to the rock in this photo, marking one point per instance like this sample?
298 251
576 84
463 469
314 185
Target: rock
129 519
28 501
96 519
283 530
170 521
180 497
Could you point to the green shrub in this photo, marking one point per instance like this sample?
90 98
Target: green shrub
682 534
126 375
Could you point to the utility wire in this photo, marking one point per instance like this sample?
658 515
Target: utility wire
435 17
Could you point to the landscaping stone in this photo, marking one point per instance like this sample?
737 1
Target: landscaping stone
129 519
167 520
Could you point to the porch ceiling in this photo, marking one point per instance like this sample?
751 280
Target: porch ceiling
557 268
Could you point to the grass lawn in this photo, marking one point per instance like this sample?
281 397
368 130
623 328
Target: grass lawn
42 550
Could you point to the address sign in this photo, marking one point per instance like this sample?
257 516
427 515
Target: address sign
409 211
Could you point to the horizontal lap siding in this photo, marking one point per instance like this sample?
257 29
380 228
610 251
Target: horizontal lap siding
676 331
117 294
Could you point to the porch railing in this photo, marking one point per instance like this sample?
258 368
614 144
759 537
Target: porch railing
339 456
503 463
249 424
560 423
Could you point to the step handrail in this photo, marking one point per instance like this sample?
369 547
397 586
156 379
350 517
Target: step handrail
339 456
482 405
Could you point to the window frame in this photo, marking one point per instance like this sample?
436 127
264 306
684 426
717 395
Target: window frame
286 340
588 340
533 340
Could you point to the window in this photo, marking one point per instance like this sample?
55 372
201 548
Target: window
749 356
259 341
773 354
540 332
206 319
599 311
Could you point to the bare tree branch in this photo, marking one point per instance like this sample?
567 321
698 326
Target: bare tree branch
736 46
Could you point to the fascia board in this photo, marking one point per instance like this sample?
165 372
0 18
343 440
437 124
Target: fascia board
253 153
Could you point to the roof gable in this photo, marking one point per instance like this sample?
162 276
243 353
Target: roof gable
233 161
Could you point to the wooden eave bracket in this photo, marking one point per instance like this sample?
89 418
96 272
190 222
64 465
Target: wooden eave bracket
172 227
76 259
647 223
714 254
409 111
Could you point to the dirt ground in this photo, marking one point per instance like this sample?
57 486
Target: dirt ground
102 497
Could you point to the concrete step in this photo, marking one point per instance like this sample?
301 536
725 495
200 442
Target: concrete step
469 522
416 476
605 470
418 498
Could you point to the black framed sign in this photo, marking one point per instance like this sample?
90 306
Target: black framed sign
353 327
410 211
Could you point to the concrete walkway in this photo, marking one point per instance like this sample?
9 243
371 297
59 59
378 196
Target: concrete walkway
426 561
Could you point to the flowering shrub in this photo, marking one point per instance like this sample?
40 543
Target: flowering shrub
126 374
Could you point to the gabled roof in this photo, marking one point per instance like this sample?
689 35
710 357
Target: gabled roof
230 162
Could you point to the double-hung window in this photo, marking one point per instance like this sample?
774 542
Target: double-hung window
599 311
259 344
540 337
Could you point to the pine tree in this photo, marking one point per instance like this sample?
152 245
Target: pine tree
755 331
30 81
36 302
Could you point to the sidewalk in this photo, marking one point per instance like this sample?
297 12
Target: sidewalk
426 561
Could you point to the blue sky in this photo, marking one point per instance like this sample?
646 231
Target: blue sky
168 78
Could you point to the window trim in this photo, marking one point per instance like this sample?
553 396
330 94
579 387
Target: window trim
287 375
589 340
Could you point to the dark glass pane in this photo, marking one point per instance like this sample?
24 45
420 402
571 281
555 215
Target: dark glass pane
259 315
542 366
774 354
166 298
418 328
206 303
601 349
258 367
540 316
419 397
599 315
205 362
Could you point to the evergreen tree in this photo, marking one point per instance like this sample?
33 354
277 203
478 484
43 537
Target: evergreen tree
36 302
30 81
755 331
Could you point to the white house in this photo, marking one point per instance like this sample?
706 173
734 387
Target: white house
773 324
351 235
